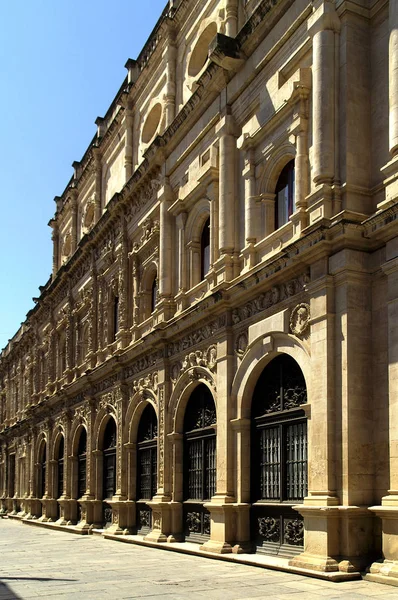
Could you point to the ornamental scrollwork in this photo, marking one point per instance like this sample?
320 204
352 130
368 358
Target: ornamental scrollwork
269 528
294 532
144 518
193 522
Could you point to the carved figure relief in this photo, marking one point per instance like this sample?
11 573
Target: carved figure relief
241 344
299 319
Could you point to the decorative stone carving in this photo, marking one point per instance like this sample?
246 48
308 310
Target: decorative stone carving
241 344
276 294
294 532
161 437
156 520
148 382
299 319
200 358
149 228
196 337
269 528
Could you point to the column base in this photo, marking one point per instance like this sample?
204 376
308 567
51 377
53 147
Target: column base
122 517
383 572
166 522
216 547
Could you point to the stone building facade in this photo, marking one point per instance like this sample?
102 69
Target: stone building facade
215 356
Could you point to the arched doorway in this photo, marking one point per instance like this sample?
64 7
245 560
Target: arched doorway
278 457
147 464
199 463
109 469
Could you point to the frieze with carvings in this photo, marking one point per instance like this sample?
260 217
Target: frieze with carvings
106 383
142 364
276 294
145 194
196 337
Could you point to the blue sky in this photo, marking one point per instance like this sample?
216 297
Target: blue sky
61 63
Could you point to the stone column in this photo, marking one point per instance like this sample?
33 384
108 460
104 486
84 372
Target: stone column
165 241
252 216
227 133
231 18
393 77
319 509
128 152
55 240
123 333
73 201
171 62
323 24
301 164
213 196
98 183
221 507
390 170
387 571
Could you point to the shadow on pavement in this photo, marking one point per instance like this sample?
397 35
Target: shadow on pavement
35 579
6 593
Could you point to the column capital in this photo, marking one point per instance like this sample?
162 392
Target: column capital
323 18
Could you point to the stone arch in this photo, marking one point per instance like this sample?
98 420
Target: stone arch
75 434
149 275
197 218
136 407
258 354
182 392
273 166
100 424
58 433
41 442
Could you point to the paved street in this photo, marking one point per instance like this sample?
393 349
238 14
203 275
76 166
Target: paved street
35 562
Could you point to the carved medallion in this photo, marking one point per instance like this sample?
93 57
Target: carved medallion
299 319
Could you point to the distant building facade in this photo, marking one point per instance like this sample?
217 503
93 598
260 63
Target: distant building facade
215 357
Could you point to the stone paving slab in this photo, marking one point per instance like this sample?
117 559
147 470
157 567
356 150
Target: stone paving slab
43 563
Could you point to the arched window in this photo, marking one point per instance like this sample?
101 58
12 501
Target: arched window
154 293
199 462
82 464
42 470
109 468
278 456
205 250
284 191
60 478
146 467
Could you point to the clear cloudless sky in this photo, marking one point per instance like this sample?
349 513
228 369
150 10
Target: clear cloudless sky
61 64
